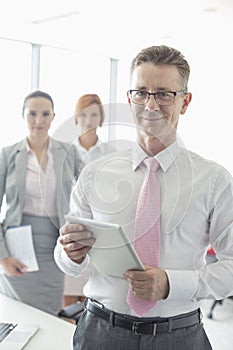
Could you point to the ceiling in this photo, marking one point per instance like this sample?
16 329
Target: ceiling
118 29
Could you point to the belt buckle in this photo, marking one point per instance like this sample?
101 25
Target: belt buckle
136 325
96 303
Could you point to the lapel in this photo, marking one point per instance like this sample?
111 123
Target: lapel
21 169
58 163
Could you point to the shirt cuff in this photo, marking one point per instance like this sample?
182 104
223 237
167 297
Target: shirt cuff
183 284
72 265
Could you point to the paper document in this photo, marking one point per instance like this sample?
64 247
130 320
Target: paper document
20 245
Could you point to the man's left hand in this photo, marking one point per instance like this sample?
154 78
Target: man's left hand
151 284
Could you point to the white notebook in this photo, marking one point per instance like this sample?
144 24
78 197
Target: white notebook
112 253
15 336
20 245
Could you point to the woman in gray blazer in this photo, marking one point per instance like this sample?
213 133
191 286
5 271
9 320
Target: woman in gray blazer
36 178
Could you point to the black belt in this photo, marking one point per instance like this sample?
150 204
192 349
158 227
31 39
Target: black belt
144 326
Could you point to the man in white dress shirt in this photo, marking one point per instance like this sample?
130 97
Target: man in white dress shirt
196 211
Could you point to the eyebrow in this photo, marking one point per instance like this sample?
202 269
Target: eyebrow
143 88
35 111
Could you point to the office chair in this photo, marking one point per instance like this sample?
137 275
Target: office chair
72 312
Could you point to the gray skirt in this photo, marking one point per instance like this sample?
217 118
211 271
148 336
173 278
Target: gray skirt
42 289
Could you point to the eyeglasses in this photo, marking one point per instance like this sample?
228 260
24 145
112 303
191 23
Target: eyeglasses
162 98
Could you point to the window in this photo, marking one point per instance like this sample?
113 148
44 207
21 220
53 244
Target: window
67 75
15 72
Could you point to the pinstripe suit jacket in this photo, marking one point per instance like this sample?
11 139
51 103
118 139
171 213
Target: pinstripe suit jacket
13 163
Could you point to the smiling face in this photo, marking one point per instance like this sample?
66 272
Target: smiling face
38 112
156 122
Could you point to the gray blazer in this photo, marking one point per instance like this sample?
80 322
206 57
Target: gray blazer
13 161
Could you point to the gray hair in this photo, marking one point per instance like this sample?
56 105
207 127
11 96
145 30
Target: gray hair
163 55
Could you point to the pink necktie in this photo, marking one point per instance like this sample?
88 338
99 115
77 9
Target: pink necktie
147 230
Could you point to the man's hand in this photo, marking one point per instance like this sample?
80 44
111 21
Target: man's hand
76 241
151 284
12 267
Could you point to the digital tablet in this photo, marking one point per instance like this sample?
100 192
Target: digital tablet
112 253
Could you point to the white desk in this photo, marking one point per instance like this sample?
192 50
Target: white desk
54 333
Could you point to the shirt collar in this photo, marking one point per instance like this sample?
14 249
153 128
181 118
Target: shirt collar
30 151
165 157
98 142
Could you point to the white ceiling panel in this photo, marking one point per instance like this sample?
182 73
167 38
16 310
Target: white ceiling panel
114 29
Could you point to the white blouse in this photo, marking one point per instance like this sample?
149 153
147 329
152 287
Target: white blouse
40 186
97 151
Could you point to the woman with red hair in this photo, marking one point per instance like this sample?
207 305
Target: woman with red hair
89 115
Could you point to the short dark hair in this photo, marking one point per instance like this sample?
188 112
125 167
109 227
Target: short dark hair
35 94
163 55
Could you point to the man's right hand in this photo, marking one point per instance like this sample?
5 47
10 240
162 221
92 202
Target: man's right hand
76 241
